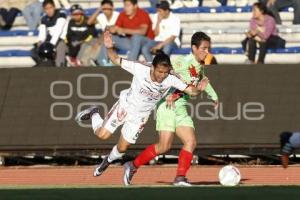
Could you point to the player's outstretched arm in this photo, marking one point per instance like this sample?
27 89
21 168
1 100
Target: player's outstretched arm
108 43
194 91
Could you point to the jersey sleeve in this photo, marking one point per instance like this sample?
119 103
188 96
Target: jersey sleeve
211 92
128 65
177 83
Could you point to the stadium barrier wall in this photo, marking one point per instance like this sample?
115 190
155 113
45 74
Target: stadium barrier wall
38 106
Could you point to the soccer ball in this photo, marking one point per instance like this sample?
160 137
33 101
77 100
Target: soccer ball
229 176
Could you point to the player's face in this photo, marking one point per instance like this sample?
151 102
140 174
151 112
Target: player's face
160 72
107 9
201 51
129 8
49 9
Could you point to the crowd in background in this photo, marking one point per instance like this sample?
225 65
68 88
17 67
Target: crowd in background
76 40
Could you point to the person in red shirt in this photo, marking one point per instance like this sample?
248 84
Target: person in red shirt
132 30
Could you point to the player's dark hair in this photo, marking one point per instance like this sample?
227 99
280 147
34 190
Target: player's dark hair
134 2
107 2
161 59
198 37
46 2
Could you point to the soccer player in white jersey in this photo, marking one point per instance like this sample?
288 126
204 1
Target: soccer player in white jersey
149 85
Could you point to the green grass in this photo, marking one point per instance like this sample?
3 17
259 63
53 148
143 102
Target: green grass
152 193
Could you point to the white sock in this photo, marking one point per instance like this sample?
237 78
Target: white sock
295 140
114 154
96 121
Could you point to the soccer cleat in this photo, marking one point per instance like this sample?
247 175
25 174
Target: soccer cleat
102 167
86 114
129 171
181 181
286 148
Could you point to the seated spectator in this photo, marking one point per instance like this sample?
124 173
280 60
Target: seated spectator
9 10
107 18
77 33
50 31
32 14
166 27
239 3
262 34
277 5
133 29
103 20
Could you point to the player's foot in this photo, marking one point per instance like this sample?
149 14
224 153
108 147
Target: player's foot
181 181
129 171
102 167
86 114
286 148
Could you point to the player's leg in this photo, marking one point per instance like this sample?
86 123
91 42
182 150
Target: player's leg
116 153
165 124
186 133
288 142
163 145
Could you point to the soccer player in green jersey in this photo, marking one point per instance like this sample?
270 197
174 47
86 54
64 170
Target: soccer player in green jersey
176 120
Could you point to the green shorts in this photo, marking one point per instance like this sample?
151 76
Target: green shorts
169 119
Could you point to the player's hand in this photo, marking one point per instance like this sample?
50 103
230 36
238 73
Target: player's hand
202 84
170 101
107 40
216 104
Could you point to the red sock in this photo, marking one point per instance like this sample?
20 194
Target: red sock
144 157
184 162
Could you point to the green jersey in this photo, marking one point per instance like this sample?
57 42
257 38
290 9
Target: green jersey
191 72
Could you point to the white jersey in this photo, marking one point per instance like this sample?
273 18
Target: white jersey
143 94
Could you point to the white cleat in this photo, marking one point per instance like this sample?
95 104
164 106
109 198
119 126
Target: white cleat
181 181
129 171
102 167
86 114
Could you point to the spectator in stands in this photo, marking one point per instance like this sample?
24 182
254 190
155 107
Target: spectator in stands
9 9
77 33
50 30
262 34
107 18
103 20
166 27
133 29
277 5
32 14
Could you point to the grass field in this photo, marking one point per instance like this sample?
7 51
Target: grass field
153 193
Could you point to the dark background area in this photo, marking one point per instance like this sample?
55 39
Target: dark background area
26 102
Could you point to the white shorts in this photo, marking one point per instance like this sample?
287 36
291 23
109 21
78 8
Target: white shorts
133 125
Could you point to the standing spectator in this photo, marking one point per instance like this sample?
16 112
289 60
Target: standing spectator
50 31
277 5
32 14
262 34
166 27
132 30
77 34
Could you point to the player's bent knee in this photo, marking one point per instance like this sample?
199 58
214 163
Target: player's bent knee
190 144
103 134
